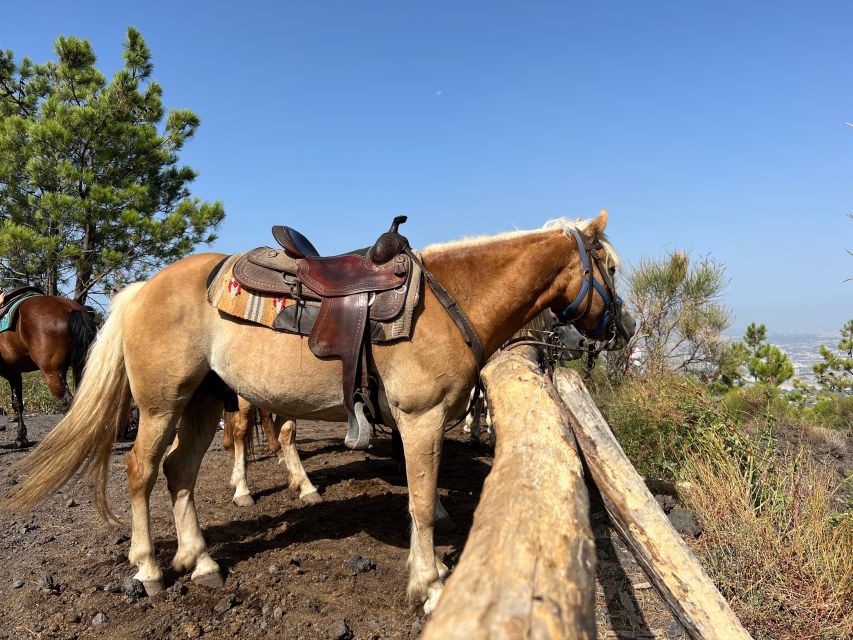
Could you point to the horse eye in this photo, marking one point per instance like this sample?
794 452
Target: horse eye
612 270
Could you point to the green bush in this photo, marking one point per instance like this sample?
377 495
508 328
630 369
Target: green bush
659 420
37 397
764 402
833 412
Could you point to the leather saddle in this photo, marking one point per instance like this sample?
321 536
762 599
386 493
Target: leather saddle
335 300
8 298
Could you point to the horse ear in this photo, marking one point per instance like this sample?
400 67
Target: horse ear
596 228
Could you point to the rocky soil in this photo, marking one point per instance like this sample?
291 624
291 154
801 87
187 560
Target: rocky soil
331 571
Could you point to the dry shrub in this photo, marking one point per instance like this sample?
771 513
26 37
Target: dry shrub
773 543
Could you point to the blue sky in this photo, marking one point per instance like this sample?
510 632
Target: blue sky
712 127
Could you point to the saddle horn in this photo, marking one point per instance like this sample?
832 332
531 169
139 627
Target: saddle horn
390 244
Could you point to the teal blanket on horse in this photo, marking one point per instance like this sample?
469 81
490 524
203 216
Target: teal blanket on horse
7 320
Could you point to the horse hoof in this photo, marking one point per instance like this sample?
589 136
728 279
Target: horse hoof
213 580
245 500
152 587
444 525
311 498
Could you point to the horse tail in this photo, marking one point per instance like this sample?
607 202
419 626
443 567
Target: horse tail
84 437
82 331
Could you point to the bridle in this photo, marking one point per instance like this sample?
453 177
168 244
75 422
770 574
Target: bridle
608 326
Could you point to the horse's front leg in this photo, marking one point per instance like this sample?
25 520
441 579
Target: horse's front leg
422 436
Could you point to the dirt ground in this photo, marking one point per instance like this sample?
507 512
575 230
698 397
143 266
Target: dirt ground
331 571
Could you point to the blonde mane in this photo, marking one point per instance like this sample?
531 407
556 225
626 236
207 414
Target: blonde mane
564 224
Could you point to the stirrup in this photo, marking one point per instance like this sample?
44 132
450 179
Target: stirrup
359 429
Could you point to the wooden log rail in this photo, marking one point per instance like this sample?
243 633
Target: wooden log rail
527 570
528 566
657 546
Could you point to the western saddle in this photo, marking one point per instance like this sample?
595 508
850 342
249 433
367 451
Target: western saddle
10 297
351 289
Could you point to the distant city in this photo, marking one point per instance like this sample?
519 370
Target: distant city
803 349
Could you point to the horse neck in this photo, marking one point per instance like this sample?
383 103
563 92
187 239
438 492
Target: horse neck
504 283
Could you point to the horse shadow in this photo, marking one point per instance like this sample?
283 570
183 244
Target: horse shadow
383 517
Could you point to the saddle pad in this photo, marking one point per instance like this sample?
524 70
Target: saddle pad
227 295
7 322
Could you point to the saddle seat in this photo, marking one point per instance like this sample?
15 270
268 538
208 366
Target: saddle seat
364 284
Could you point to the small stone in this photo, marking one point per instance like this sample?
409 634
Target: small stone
273 568
133 589
99 620
180 588
339 630
192 630
265 610
17 584
685 522
298 559
278 613
112 587
227 602
322 577
71 503
46 583
119 539
359 564
417 625
642 585
666 502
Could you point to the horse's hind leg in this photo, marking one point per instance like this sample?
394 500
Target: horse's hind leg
57 382
16 384
269 428
196 431
240 425
155 433
297 477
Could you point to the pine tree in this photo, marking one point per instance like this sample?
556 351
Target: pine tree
766 363
835 373
91 191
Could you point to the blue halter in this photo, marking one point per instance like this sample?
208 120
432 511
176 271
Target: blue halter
612 302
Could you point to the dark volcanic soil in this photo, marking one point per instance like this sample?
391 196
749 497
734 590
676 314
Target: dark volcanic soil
62 570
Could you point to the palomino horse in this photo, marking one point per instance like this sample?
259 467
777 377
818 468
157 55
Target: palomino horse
50 333
565 344
168 349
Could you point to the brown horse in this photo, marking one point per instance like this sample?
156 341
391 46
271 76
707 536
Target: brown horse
52 334
167 348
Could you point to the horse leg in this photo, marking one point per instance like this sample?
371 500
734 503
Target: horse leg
240 425
297 476
196 431
268 426
443 522
155 433
422 436
57 382
16 384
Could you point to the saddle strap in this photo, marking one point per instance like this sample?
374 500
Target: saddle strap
469 333
339 332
